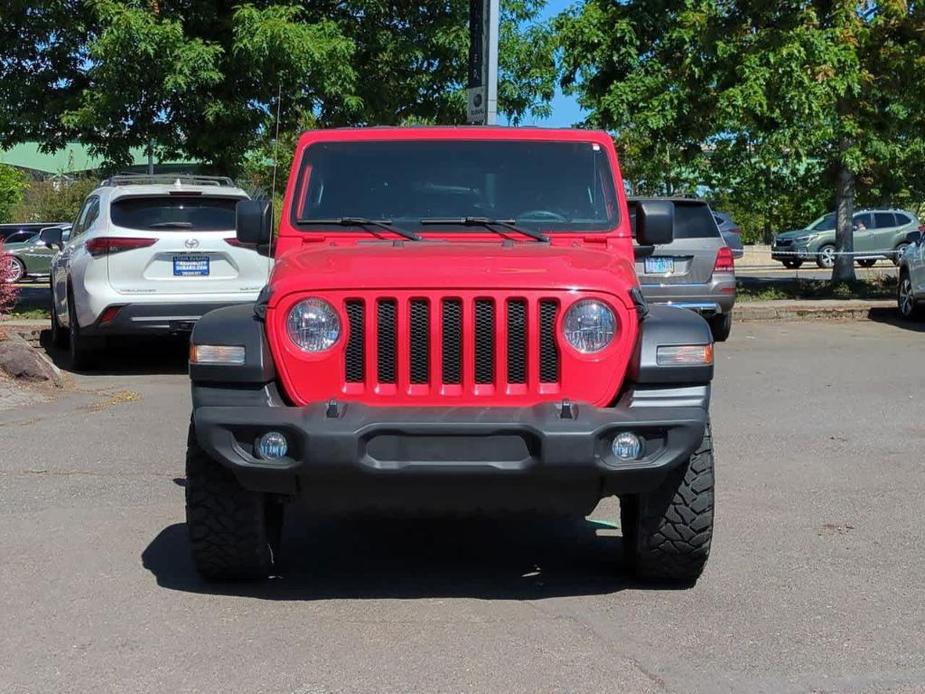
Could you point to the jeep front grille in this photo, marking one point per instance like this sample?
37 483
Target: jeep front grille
474 345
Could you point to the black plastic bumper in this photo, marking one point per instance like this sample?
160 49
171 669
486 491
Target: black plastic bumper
160 318
542 456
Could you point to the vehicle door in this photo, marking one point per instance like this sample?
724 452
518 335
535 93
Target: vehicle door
916 260
883 231
862 223
61 262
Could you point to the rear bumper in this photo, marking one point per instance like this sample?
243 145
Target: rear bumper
716 296
349 455
151 318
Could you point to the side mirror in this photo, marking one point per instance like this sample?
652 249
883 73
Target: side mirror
254 222
654 222
52 237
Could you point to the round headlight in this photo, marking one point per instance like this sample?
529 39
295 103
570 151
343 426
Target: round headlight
589 326
313 325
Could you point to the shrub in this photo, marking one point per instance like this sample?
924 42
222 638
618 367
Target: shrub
8 292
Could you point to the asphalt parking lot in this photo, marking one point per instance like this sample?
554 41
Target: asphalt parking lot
815 582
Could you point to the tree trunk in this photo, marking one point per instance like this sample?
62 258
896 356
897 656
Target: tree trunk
843 270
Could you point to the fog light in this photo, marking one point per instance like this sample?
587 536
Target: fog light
626 446
272 446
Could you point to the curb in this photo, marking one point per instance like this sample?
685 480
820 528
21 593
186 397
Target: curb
29 330
810 310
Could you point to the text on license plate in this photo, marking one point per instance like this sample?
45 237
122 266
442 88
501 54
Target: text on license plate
191 266
659 266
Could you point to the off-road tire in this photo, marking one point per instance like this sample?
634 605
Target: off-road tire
667 532
721 326
230 528
792 264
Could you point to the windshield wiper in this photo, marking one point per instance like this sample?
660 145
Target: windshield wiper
171 225
364 222
489 224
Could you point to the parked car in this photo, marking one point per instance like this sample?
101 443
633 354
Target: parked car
149 255
910 287
879 233
451 339
732 233
31 257
23 231
696 270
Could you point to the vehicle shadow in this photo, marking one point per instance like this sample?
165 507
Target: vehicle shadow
890 316
327 558
128 356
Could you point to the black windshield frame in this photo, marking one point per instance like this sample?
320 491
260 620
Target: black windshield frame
599 187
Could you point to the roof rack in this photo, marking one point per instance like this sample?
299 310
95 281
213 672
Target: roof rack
129 179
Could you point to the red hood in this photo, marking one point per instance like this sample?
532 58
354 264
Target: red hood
451 265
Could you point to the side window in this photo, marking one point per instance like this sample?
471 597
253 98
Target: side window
93 213
884 220
902 219
81 224
862 220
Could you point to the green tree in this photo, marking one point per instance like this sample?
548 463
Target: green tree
12 184
203 79
760 95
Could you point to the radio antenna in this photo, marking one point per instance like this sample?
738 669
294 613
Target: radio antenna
279 98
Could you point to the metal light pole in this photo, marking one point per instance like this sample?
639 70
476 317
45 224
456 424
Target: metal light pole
484 21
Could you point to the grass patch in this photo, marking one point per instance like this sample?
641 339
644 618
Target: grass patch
29 314
799 289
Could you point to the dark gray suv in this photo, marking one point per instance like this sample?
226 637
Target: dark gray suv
696 270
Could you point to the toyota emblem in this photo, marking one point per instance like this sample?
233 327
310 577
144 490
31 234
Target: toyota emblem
191 243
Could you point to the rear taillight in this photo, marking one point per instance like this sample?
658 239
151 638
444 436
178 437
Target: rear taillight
233 241
724 261
116 244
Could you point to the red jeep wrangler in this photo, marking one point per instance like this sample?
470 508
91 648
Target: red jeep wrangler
453 325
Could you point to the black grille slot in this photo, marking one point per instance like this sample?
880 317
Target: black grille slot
484 341
420 341
452 341
549 349
355 357
386 345
517 341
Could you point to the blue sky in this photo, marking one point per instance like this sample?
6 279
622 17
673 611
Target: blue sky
565 110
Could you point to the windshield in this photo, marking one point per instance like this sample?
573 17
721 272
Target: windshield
825 223
561 186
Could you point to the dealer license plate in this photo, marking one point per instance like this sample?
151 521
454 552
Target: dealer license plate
191 266
659 266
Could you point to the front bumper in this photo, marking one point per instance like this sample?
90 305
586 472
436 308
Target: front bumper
550 456
781 253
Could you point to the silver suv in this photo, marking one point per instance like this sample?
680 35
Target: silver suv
696 270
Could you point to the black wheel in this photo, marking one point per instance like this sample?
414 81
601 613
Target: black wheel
721 326
667 533
867 262
825 257
792 264
80 349
17 270
898 252
58 333
905 299
232 531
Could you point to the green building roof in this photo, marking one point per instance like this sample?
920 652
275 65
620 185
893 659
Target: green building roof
72 158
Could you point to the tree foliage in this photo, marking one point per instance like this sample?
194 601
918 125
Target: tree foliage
12 184
759 101
204 79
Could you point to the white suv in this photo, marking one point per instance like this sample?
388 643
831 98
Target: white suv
150 255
